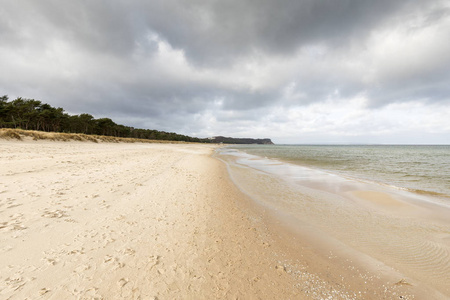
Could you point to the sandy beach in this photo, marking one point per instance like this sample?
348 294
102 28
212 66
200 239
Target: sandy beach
83 220
133 221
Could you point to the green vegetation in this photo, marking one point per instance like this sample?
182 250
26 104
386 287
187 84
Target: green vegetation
30 114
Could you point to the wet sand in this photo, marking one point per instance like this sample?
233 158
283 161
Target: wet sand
81 220
393 236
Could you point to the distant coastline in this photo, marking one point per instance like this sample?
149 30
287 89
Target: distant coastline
230 140
33 115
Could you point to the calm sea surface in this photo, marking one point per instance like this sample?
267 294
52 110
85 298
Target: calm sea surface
421 169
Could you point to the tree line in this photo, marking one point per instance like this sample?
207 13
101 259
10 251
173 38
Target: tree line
30 114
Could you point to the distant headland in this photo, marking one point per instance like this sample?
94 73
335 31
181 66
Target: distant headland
230 140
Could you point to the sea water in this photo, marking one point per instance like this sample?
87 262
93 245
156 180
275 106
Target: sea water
420 169
388 206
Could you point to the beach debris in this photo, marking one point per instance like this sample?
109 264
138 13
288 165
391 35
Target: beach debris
44 291
402 282
280 269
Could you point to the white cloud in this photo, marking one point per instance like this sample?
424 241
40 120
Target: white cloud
345 72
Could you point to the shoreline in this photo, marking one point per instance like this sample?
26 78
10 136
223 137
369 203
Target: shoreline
367 164
388 233
114 220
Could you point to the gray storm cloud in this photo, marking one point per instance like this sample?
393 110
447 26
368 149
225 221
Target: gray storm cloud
240 67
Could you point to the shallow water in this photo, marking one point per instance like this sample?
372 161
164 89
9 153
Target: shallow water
423 169
390 229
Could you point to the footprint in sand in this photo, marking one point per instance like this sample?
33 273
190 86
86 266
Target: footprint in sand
5 249
76 251
12 204
126 289
91 293
103 204
153 260
128 251
50 261
15 223
280 269
109 259
105 240
122 282
15 282
57 213
82 268
43 291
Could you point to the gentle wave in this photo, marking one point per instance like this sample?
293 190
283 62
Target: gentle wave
408 232
423 170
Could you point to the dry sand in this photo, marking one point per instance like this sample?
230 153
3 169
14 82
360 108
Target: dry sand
80 220
134 221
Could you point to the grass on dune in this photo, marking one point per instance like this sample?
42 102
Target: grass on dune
20 134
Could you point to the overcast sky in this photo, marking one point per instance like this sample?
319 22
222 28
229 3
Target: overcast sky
295 71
